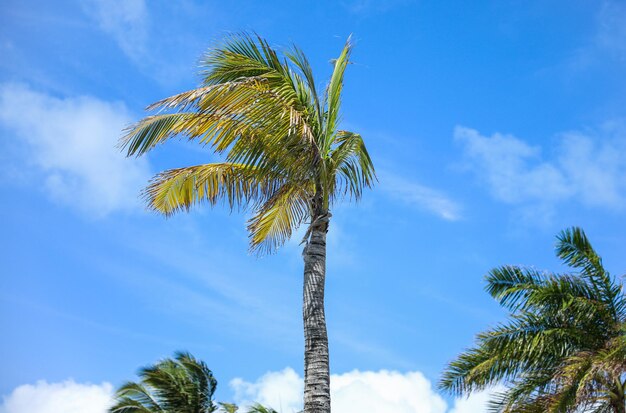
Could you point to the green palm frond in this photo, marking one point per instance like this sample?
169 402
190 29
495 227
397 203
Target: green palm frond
511 285
563 348
352 163
182 385
576 251
333 94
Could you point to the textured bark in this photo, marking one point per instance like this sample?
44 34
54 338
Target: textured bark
316 361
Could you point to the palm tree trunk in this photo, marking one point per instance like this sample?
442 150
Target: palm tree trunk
316 361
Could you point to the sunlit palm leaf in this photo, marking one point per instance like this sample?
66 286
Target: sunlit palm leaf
262 113
236 184
279 217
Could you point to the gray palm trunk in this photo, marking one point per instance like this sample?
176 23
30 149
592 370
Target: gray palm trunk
316 360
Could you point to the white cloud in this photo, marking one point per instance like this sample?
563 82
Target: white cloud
584 167
420 196
354 392
65 397
125 21
476 403
281 390
357 391
71 143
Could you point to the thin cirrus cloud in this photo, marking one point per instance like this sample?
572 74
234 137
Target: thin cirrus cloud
582 167
419 196
130 24
67 146
356 391
126 22
611 29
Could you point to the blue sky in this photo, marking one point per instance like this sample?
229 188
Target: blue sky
493 125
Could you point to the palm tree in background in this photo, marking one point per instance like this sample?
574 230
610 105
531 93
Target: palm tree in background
180 385
563 348
285 160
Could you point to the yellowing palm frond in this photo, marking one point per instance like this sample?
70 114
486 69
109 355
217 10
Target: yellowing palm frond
279 217
236 184
283 156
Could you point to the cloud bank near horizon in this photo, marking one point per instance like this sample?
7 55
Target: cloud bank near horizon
356 391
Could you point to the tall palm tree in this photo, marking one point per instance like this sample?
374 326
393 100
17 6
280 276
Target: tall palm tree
563 348
285 159
179 385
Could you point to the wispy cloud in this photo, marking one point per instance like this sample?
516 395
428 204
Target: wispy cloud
135 28
70 148
419 196
605 45
611 33
125 21
583 167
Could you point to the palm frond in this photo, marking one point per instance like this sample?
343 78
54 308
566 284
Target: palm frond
511 285
351 164
333 95
562 348
574 248
182 188
183 385
279 217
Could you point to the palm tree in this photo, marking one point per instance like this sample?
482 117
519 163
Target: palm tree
180 385
285 159
563 348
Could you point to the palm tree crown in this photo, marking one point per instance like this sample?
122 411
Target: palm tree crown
180 385
563 348
285 158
